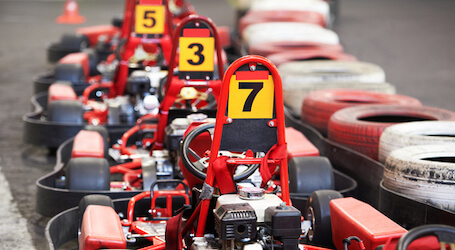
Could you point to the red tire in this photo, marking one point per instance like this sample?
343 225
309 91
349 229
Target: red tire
360 127
268 48
306 54
263 16
318 106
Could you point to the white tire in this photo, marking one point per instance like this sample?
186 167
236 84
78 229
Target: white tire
296 73
415 133
318 6
288 31
301 77
241 5
294 95
425 173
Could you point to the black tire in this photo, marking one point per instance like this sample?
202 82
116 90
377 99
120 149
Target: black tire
86 173
69 72
74 42
94 199
104 133
309 174
117 22
93 60
66 111
55 52
318 212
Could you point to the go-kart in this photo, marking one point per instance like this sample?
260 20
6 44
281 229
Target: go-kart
58 114
249 219
224 157
152 141
103 38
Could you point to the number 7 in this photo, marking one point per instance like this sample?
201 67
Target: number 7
256 87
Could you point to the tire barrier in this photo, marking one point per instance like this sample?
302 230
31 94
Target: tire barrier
413 134
268 48
318 106
360 127
307 54
295 95
302 77
425 173
321 7
330 71
254 17
288 31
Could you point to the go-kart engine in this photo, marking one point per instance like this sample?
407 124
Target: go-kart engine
252 220
157 167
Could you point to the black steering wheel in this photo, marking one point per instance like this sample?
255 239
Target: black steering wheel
197 167
445 234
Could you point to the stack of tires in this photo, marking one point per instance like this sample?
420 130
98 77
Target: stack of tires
292 32
319 106
360 127
303 77
419 159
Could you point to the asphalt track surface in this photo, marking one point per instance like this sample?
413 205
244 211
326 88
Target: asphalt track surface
413 40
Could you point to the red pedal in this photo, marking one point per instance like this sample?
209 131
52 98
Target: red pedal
88 144
351 217
298 144
59 92
77 58
101 228
94 32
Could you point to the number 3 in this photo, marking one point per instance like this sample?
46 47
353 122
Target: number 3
198 53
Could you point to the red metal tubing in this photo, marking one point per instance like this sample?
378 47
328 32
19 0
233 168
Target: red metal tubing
131 205
93 87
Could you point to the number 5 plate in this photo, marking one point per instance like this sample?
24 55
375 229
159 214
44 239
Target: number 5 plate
150 19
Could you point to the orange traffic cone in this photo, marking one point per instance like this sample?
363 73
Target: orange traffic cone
70 13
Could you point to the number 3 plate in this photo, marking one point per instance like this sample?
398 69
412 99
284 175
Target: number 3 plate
251 95
196 54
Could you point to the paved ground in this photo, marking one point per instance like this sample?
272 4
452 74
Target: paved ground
411 39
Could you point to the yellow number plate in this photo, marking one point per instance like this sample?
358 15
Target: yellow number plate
251 97
150 19
196 53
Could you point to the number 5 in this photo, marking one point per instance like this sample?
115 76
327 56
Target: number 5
149 15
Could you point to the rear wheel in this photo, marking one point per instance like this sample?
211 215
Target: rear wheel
69 72
318 213
88 173
74 42
308 174
66 111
